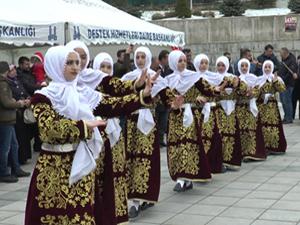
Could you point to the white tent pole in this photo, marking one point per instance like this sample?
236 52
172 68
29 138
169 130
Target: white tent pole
66 33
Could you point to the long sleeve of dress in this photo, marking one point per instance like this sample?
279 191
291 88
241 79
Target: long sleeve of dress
116 106
166 96
278 86
54 128
115 87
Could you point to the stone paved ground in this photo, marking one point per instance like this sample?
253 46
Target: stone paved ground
262 193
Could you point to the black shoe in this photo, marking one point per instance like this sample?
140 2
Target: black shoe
287 122
224 169
163 144
146 205
178 188
21 173
9 179
133 212
188 187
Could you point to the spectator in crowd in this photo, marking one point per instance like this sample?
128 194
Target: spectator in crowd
123 65
154 63
288 73
189 59
26 77
267 55
38 68
228 55
245 53
29 83
161 111
8 140
296 91
22 129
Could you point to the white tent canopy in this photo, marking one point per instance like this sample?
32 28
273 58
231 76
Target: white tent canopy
32 22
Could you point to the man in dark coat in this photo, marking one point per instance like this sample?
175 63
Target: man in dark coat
161 111
29 83
123 65
8 140
189 59
296 91
23 130
267 55
288 73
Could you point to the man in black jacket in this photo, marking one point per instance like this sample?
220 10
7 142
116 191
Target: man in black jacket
189 59
26 77
8 140
29 83
161 111
288 73
123 65
267 55
22 130
296 91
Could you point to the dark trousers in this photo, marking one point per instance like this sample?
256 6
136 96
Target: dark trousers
286 100
161 113
8 145
24 136
296 98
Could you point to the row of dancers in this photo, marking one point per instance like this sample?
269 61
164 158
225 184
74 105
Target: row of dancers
90 172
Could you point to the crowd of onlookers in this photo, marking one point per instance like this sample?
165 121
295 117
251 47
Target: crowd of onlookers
18 135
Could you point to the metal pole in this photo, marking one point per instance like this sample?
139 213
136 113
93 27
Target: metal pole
191 5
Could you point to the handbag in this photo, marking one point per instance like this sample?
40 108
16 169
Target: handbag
28 116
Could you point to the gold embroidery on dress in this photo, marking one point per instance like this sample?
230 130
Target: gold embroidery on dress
227 147
271 136
118 156
120 196
53 128
139 142
184 158
65 220
248 142
269 113
139 175
53 184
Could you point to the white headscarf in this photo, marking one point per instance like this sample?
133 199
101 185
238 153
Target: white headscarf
267 77
88 80
249 78
212 79
251 81
103 57
113 128
67 101
87 77
145 120
182 82
227 105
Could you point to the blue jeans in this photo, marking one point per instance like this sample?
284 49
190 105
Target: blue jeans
286 98
8 143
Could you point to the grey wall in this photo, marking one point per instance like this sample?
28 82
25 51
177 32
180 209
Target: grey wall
215 36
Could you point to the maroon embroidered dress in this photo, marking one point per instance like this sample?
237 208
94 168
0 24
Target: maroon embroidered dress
229 128
50 198
187 159
111 172
274 138
252 141
116 166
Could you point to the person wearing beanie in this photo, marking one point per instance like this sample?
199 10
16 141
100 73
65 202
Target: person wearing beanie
38 68
8 140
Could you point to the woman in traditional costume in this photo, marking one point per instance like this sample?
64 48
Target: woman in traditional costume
210 131
252 140
226 115
272 128
187 161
